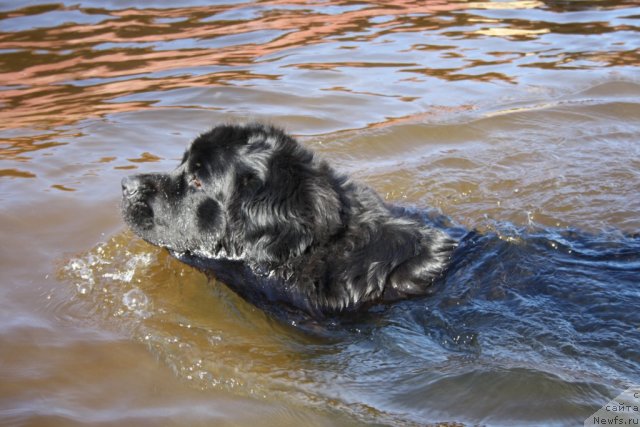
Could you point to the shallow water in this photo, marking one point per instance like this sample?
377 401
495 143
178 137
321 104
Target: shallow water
517 119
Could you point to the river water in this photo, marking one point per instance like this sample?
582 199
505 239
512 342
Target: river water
517 119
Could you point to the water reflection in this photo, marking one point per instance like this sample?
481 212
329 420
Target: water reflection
519 119
59 63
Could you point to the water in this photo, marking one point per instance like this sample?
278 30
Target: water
516 119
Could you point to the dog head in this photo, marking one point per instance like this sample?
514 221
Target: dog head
241 192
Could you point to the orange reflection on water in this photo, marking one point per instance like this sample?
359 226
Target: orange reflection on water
59 75
41 73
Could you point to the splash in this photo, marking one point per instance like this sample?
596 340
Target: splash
194 327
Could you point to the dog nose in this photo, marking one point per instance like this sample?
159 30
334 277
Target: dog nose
130 185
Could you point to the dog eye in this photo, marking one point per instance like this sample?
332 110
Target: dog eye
195 182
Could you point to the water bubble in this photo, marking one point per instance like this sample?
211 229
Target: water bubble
135 300
214 339
84 288
82 270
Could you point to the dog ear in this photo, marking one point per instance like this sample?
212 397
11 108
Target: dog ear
295 207
416 275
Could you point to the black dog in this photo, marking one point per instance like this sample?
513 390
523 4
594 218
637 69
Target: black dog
279 226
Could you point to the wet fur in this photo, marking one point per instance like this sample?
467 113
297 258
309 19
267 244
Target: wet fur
262 213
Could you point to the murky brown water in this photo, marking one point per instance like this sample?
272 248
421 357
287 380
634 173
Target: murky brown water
500 114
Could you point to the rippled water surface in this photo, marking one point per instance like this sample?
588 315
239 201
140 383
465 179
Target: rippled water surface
517 119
